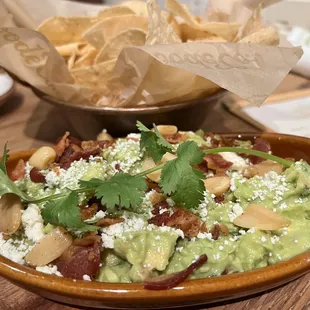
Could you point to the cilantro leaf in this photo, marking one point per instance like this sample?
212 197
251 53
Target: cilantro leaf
64 211
122 189
180 180
153 142
8 186
4 158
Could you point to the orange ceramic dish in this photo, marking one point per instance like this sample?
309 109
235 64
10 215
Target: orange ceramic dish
193 292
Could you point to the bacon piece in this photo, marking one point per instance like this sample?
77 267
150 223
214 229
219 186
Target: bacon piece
104 144
219 199
217 162
77 261
225 272
108 221
182 219
152 185
203 167
75 141
160 206
174 139
166 282
88 212
36 176
18 173
259 145
203 227
88 240
217 230
70 156
61 145
218 141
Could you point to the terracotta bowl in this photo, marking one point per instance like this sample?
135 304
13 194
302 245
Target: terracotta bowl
88 121
193 292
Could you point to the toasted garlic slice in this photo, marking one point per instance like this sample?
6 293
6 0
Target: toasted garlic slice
217 185
167 130
52 246
256 215
104 136
10 213
262 168
149 164
42 157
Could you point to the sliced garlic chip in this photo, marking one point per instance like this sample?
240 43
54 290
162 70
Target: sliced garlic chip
50 247
10 213
256 215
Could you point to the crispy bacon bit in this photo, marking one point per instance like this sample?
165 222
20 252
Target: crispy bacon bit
152 185
88 240
217 162
18 173
225 272
160 206
219 199
62 144
70 156
108 221
259 145
217 230
182 219
174 139
118 167
166 282
218 141
104 144
77 261
75 141
203 227
88 212
36 176
203 167
89 144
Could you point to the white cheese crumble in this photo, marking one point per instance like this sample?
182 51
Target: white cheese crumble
49 269
204 236
33 223
86 277
238 162
109 233
14 250
263 239
98 216
236 210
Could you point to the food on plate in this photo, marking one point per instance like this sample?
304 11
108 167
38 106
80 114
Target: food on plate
156 207
91 45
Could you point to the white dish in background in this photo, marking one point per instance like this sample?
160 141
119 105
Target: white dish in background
6 86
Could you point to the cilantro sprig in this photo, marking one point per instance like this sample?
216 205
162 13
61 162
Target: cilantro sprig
153 142
179 179
4 158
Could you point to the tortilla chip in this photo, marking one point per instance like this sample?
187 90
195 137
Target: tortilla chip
87 59
115 11
265 36
94 77
174 24
63 30
227 31
71 60
109 28
127 38
68 49
253 24
139 7
160 31
189 34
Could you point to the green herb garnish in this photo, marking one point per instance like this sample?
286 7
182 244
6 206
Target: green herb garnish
4 158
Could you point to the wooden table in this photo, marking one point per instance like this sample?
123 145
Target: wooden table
26 122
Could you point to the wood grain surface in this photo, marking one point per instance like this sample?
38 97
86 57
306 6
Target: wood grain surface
26 122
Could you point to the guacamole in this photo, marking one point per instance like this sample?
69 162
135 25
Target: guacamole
159 236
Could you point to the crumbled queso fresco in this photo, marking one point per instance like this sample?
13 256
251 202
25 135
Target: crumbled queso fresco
149 239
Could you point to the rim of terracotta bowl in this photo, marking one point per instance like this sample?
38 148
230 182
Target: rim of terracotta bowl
218 93
197 291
